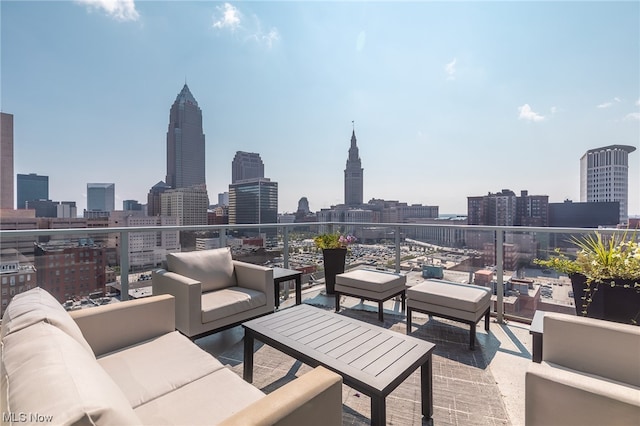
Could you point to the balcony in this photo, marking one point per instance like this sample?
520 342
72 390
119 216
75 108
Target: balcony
485 386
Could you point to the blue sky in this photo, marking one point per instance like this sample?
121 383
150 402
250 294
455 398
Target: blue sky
449 99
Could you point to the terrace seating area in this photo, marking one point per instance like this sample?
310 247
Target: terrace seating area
491 385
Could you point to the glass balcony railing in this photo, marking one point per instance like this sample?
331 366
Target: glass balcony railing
87 266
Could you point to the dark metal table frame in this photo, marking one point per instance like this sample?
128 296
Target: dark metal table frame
308 322
536 331
281 275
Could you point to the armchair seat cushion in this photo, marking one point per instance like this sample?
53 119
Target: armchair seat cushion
230 301
213 268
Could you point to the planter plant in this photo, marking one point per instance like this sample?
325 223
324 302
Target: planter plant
605 276
334 255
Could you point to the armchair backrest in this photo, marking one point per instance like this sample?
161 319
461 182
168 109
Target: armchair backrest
213 268
604 348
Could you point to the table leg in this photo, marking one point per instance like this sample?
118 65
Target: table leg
426 388
537 347
378 411
247 373
298 289
276 286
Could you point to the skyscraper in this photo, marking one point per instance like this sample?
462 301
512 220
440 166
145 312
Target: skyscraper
353 176
254 201
101 197
604 176
246 165
185 143
6 158
32 187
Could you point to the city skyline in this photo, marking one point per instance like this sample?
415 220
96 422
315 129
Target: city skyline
450 100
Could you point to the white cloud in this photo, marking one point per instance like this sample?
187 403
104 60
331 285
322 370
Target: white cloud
638 102
632 116
230 17
121 10
450 69
526 113
554 109
608 104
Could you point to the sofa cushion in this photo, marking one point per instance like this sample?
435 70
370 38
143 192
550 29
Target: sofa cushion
46 371
213 268
143 375
38 305
206 401
230 301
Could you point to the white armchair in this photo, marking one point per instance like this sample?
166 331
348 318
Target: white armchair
589 374
213 291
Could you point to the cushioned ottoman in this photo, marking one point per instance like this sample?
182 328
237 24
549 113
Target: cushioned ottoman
366 284
460 302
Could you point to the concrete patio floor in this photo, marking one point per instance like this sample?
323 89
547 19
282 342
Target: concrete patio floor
507 347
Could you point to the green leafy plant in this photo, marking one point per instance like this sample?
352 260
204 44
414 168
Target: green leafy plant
603 261
335 240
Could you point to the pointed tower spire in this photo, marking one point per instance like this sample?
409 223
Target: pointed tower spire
353 174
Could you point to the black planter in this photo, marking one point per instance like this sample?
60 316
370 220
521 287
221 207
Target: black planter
334 260
611 303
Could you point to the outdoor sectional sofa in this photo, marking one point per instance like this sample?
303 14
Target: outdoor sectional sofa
124 364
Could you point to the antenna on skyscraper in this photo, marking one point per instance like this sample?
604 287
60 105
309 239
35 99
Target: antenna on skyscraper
353 125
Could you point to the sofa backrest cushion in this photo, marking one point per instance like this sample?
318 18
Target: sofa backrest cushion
213 268
38 305
47 372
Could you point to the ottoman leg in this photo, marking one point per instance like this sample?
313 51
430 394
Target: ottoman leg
486 320
380 312
403 300
472 332
337 296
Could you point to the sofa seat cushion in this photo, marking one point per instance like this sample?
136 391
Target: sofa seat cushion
213 268
206 401
46 371
459 297
156 367
230 301
38 305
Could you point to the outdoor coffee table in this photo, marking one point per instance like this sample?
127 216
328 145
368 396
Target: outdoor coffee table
370 359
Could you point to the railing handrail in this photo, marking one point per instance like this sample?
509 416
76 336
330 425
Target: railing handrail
157 228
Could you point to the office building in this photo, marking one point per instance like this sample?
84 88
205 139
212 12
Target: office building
185 143
353 176
69 269
246 165
154 199
43 208
604 176
17 275
101 197
189 205
31 187
254 201
6 161
132 205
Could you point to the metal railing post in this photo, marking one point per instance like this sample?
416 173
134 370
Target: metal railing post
500 275
223 237
397 231
286 246
124 265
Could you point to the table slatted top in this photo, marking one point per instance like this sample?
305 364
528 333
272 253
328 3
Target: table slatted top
370 355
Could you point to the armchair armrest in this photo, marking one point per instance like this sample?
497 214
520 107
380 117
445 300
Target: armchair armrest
314 399
559 396
111 327
256 277
188 295
593 346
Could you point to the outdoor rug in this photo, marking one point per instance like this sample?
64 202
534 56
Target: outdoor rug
464 390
